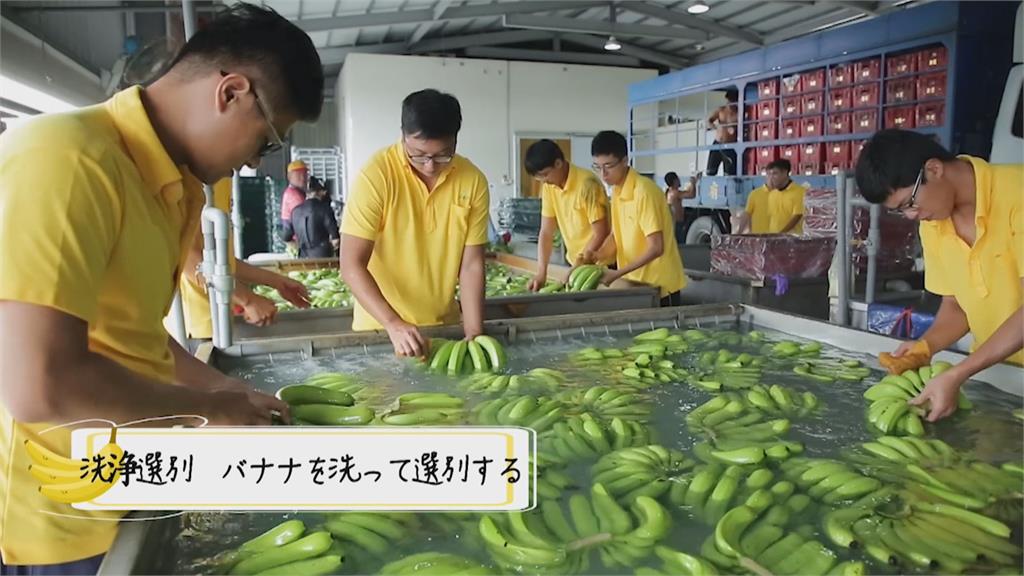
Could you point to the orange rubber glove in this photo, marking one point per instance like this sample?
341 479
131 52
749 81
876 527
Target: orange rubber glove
919 354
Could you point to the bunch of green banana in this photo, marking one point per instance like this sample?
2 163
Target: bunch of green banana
425 409
932 471
538 413
539 380
585 277
544 540
499 280
320 406
752 536
832 370
434 563
606 403
728 417
583 437
725 369
790 349
641 471
829 481
344 383
374 533
678 563
889 411
325 287
781 401
899 531
1018 413
284 549
481 354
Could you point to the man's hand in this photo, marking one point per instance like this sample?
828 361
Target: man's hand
610 276
537 282
586 257
941 394
258 311
406 339
292 291
261 400
471 333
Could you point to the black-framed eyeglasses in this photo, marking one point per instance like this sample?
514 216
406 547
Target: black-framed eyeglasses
275 143
599 168
911 202
422 159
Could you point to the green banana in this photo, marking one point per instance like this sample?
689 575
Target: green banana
308 546
730 528
333 415
439 361
297 394
495 351
477 356
327 564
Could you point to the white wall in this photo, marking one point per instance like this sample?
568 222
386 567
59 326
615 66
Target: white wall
321 134
499 99
29 61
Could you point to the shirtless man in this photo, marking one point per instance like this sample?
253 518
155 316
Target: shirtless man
724 120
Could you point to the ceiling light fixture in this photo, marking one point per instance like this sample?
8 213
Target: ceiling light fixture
698 8
612 44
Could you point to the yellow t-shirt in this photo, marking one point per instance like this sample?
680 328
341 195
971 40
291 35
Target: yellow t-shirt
195 302
783 205
94 220
639 210
757 208
984 278
576 207
418 236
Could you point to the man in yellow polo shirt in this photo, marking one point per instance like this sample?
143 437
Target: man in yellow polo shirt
572 201
971 216
255 309
642 227
414 225
777 207
97 209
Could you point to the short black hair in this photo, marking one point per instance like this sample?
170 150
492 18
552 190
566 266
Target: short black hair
892 159
780 164
431 115
609 142
672 179
732 95
541 155
316 184
246 35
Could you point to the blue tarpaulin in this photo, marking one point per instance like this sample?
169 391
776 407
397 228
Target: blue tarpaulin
898 321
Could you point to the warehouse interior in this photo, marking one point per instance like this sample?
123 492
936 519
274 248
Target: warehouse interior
746 277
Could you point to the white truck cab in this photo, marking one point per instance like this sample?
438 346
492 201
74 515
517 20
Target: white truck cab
1008 135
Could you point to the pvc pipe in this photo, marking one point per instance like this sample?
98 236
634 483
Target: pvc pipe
874 242
842 250
220 284
236 212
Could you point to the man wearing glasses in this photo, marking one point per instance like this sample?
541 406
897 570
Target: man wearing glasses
971 216
642 228
573 201
117 187
414 226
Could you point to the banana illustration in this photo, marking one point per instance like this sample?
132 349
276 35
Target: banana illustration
70 481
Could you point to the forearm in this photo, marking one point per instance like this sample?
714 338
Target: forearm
471 296
599 232
1006 341
368 293
545 243
190 372
254 275
950 325
653 251
97 387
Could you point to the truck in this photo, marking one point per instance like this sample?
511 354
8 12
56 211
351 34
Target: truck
816 99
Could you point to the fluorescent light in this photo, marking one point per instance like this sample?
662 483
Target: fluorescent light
28 96
612 44
698 8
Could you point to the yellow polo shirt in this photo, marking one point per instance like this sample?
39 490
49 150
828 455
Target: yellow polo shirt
984 278
195 302
760 213
575 207
94 219
639 210
418 236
